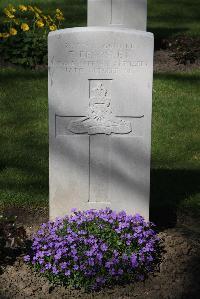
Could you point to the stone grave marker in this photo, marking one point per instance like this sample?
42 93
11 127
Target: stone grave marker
100 102
120 13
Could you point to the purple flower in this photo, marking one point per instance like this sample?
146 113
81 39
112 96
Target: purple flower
70 239
40 232
91 261
58 256
48 266
99 256
134 262
124 257
90 248
27 258
74 252
82 267
120 271
112 271
128 242
41 261
67 273
89 253
149 258
75 258
64 265
76 267
108 265
104 247
100 280
140 277
55 270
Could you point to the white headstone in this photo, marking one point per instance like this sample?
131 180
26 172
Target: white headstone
120 13
100 102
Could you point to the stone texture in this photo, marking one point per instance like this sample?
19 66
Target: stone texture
100 101
120 13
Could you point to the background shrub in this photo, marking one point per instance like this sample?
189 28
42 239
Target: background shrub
93 248
185 49
23 34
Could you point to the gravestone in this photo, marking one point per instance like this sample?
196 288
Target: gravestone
120 13
100 102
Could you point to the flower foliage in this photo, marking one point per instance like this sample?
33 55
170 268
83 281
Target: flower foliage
23 34
94 248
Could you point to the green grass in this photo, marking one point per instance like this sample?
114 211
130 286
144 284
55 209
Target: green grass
175 172
175 140
24 138
165 18
170 18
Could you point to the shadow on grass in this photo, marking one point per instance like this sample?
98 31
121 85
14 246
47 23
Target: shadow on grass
24 137
168 189
172 186
169 18
164 33
180 77
19 73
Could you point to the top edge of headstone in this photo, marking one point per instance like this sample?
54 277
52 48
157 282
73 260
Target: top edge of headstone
118 13
100 29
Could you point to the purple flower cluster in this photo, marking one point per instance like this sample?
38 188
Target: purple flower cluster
94 248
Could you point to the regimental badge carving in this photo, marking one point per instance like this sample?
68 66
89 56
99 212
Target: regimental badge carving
99 118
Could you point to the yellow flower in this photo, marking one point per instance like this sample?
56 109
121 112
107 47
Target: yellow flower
13 31
60 17
10 16
23 8
58 11
53 27
24 27
5 35
1 34
40 23
8 13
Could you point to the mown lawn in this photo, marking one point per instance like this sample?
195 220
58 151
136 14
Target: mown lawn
165 18
24 141
175 174
23 138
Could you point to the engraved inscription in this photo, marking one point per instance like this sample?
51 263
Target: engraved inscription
112 57
99 118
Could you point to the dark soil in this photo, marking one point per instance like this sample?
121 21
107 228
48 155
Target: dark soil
185 49
165 62
178 277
